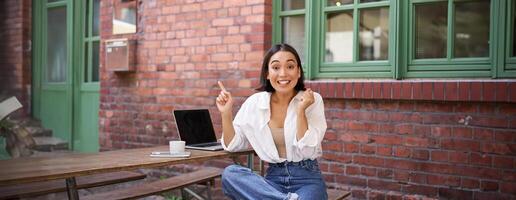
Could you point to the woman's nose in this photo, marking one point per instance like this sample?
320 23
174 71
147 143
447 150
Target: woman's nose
282 71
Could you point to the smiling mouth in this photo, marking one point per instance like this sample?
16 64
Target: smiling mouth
283 82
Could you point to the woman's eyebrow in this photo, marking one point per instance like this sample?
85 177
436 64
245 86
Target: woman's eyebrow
273 61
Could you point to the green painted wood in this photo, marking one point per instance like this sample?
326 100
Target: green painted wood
276 23
36 58
496 23
393 47
447 74
86 91
451 31
86 130
55 99
403 37
314 48
505 58
69 108
449 63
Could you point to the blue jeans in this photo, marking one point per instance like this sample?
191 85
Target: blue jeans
288 180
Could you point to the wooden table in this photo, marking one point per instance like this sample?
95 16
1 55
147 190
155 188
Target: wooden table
25 170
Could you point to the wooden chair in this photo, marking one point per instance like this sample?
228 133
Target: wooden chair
47 187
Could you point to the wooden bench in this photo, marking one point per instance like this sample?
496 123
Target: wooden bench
46 187
205 174
334 194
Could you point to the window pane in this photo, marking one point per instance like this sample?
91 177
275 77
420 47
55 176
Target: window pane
293 4
86 19
86 62
374 34
338 2
513 29
56 45
367 1
294 33
95 62
96 5
339 37
431 30
471 29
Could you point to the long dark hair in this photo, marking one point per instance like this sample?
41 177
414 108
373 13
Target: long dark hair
265 85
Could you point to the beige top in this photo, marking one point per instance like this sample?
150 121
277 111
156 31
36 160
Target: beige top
279 140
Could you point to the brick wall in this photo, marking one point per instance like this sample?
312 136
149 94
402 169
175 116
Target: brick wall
446 139
446 150
183 48
15 57
385 139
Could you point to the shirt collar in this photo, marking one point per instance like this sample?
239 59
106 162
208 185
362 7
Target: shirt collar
265 102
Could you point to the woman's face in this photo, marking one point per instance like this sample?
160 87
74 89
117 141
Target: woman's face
283 71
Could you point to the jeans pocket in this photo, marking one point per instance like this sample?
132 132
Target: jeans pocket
312 168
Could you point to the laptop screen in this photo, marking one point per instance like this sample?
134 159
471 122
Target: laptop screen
195 126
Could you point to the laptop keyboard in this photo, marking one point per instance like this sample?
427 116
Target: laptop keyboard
209 144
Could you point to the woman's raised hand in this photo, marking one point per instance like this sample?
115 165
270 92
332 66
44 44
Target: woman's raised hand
307 99
224 101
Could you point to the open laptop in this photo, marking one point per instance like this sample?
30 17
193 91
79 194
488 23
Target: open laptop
196 129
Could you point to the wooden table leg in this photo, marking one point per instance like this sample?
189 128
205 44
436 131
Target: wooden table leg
71 188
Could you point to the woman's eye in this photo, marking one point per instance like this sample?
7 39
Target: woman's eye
275 67
290 67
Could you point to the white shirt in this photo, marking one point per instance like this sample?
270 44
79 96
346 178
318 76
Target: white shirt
251 128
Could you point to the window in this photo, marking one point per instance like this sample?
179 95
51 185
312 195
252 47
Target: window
449 38
510 56
292 17
399 39
91 41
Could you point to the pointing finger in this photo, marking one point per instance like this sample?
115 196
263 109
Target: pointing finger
221 86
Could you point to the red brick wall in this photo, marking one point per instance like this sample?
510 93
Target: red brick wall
396 139
15 57
183 48
447 150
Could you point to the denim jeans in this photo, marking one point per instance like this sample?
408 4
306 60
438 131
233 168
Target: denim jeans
288 180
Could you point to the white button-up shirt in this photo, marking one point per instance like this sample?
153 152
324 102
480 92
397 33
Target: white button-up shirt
251 128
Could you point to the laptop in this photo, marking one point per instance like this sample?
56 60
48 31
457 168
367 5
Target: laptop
196 129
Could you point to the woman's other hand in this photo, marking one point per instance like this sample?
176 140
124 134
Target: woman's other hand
224 101
306 100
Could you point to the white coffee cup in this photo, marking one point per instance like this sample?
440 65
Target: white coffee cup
177 146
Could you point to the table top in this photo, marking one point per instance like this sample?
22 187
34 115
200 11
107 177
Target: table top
33 169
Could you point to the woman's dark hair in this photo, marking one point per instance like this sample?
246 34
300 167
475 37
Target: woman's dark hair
265 85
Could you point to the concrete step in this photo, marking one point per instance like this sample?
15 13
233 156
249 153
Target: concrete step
39 131
27 122
49 144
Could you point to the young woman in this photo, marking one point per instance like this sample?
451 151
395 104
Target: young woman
284 124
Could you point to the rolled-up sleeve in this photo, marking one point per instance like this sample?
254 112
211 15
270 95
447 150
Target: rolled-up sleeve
310 143
239 141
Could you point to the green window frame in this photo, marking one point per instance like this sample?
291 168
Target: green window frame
497 61
367 68
451 65
281 14
91 42
510 55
